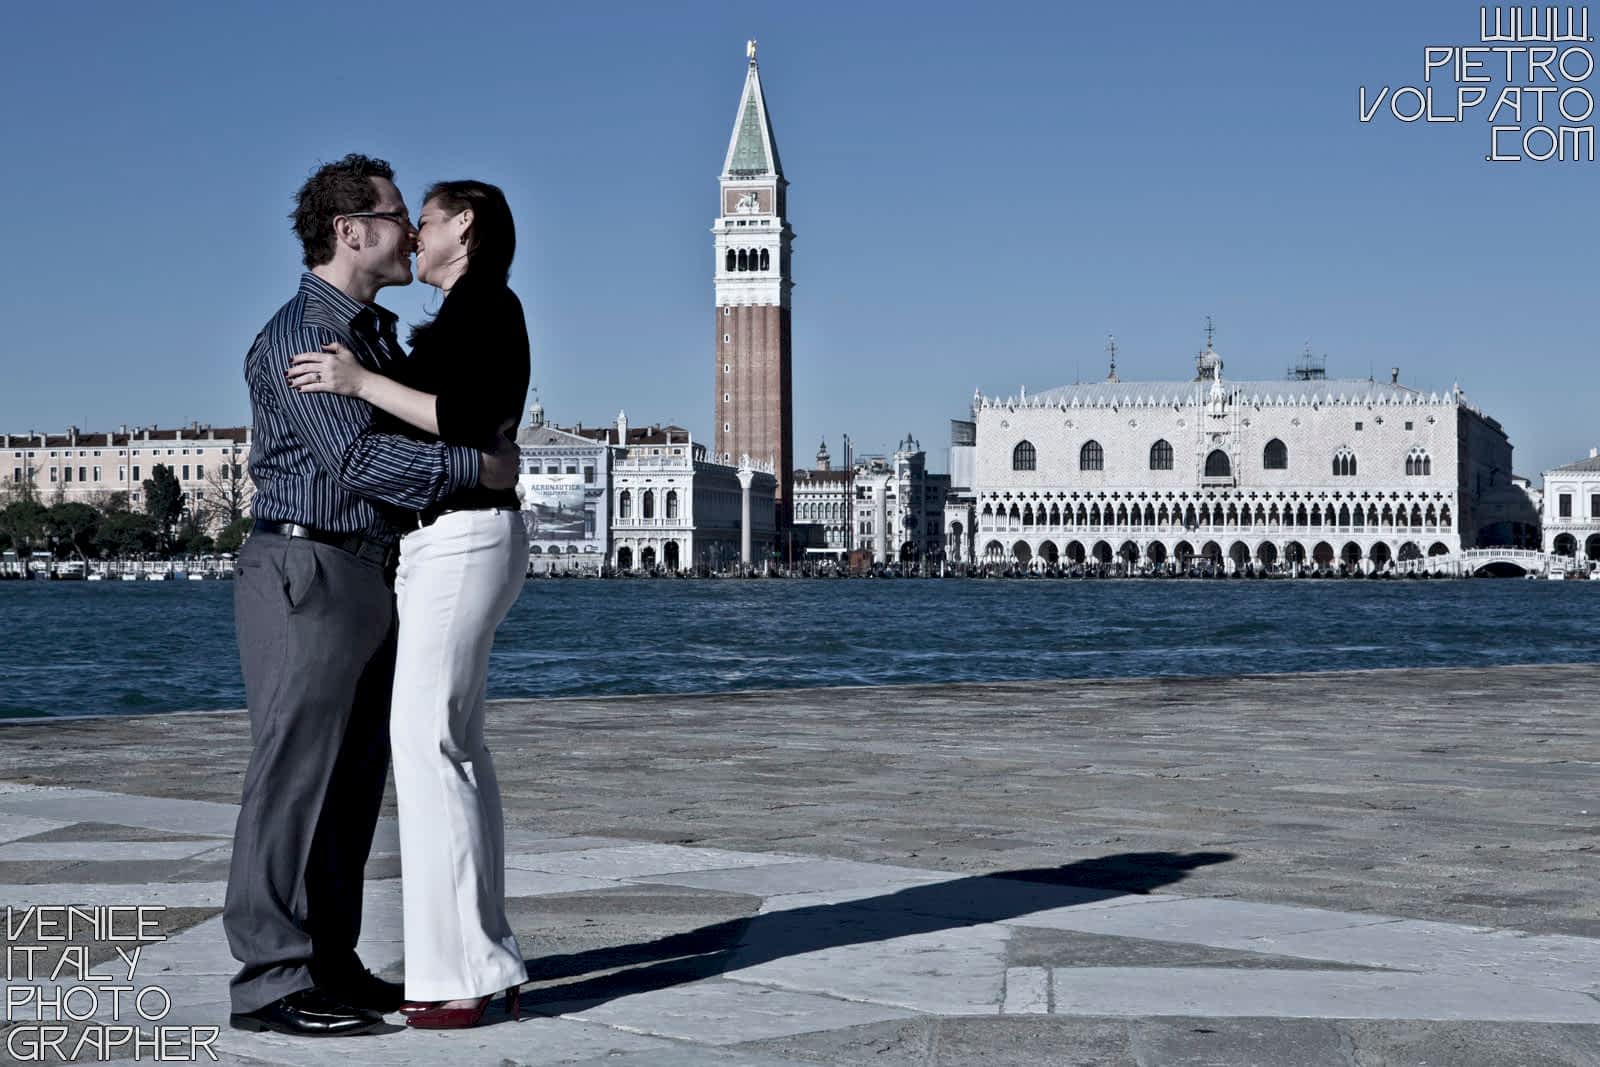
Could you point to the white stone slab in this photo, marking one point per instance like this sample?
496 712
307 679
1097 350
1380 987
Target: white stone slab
382 918
1027 991
520 883
105 851
803 876
523 841
637 861
718 1012
170 894
386 838
1552 960
200 950
531 1041
153 813
15 826
855 955
1235 992
697 1056
1237 924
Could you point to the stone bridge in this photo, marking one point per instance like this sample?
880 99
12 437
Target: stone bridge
1480 561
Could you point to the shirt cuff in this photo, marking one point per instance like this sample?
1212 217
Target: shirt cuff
460 469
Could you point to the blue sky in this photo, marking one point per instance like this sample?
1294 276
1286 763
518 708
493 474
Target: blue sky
980 195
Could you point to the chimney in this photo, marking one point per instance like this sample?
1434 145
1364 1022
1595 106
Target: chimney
1394 375
72 435
622 427
177 435
1594 453
123 429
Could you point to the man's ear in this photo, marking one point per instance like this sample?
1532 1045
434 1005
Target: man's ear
347 233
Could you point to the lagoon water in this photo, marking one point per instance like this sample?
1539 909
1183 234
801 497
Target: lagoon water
73 648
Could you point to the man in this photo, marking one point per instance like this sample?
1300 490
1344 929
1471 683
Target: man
314 610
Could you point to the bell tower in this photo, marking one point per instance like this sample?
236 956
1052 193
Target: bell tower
754 395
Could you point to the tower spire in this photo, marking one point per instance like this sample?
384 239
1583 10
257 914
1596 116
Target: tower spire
1111 348
752 150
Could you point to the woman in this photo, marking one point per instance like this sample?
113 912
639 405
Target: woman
462 564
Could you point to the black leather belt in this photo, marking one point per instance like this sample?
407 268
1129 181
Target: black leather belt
358 545
429 516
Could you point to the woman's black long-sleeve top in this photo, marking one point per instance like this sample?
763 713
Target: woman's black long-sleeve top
473 357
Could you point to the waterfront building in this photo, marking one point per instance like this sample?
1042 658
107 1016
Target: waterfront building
211 464
753 395
566 500
900 506
673 508
823 508
1233 475
1572 509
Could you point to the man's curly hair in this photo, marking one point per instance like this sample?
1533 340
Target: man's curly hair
334 189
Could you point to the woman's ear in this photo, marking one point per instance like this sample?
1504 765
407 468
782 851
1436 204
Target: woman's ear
464 221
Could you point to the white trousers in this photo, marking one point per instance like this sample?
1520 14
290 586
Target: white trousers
457 579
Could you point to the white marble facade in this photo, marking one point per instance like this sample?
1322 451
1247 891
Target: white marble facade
1572 509
1252 475
672 509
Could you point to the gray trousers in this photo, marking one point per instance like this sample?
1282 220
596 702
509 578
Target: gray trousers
316 630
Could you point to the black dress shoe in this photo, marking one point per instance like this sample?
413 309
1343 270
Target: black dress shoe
307 1013
363 989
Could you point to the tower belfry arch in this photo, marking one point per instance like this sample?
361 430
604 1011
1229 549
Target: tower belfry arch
754 395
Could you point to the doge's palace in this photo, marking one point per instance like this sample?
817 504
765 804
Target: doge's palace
1302 473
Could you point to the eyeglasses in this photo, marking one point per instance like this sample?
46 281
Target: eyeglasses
392 216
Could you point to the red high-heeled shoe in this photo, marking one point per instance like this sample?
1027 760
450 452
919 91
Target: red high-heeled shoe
435 1016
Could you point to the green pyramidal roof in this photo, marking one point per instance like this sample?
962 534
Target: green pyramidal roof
750 153
753 150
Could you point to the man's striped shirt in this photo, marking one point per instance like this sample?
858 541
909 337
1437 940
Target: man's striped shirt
316 458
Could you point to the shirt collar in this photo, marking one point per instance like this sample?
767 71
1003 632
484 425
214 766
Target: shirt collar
339 306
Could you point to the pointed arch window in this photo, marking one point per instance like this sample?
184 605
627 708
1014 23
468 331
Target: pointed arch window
1161 456
1344 463
1217 464
1275 457
1418 462
1091 457
1024 457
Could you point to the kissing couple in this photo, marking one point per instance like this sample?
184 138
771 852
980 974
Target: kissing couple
386 547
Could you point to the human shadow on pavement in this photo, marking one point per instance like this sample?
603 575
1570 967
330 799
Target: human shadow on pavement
735 944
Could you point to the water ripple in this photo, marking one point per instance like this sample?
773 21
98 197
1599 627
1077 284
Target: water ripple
137 648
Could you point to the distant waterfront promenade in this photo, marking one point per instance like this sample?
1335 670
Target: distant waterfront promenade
1373 867
76 648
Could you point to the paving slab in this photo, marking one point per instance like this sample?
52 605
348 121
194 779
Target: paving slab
637 861
1212 991
530 1042
107 851
1150 872
720 1012
14 826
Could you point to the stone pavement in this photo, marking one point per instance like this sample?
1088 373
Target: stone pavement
1355 869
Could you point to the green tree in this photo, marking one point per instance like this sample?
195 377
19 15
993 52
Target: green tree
192 537
74 527
25 524
163 502
231 538
126 534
